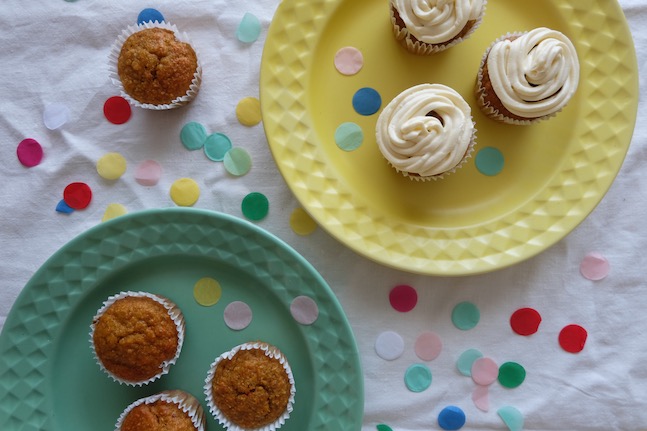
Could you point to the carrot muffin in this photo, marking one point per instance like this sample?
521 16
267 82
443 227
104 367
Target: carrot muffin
429 26
527 77
137 336
250 387
172 410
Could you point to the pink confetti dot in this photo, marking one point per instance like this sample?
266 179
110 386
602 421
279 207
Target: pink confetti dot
29 152
403 298
481 398
349 60
594 266
428 346
304 310
148 173
237 315
485 371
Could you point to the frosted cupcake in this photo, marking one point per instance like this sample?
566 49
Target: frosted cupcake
169 410
527 77
426 132
429 26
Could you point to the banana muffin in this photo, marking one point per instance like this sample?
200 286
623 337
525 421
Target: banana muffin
174 410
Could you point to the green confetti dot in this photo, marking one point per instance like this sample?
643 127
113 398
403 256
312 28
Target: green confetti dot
255 206
349 136
465 315
237 161
417 378
249 28
489 161
511 374
193 136
466 360
383 427
216 146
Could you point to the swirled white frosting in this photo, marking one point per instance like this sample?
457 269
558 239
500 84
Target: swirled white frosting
437 21
416 142
536 74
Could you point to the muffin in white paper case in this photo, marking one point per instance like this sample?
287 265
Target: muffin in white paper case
254 365
161 408
129 352
116 50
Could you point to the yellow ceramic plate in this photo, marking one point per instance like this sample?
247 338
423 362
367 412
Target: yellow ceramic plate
555 172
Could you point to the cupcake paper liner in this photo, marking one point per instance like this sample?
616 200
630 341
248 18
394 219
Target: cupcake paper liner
113 59
175 314
270 351
187 403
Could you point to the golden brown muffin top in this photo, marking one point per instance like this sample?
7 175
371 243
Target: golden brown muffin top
155 67
251 389
134 336
157 416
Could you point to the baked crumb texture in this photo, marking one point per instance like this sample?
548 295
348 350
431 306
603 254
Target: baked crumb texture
157 416
156 68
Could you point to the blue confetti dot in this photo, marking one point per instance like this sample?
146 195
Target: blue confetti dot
63 207
148 15
367 101
489 161
451 418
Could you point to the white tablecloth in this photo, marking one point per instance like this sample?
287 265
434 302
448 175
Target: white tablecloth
55 51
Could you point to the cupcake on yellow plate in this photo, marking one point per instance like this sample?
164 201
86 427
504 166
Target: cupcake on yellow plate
430 26
426 132
527 77
174 410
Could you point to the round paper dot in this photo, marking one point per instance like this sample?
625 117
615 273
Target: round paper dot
403 298
113 211
216 146
417 378
111 166
451 418
349 136
64 208
304 310
237 315
255 206
465 315
185 192
428 346
301 222
489 161
148 173
249 28
207 291
511 374
466 360
481 397
484 371
237 161
349 60
55 115
29 152
525 321
367 101
511 417
149 15
77 195
594 266
572 338
389 345
248 111
117 110
193 136
383 427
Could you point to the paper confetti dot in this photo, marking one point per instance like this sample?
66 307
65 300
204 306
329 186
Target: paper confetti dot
207 291
255 206
77 195
383 427
451 418
466 360
389 345
248 111
349 60
149 15
111 166
304 310
484 371
117 110
185 192
301 222
349 136
428 346
481 398
511 417
216 146
55 115
64 208
403 298
113 211
237 161
525 321
594 266
249 28
572 338
465 315
511 374
417 378
29 152
367 101
489 161
193 136
237 315
148 173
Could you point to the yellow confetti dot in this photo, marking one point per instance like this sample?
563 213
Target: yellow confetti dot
301 222
114 210
207 291
185 192
111 166
248 111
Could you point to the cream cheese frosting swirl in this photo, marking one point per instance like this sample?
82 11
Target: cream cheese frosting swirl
437 21
535 74
425 130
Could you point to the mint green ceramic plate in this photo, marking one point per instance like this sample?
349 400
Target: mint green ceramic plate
50 382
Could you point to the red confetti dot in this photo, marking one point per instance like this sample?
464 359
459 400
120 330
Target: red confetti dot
29 152
525 321
403 298
77 195
572 338
117 110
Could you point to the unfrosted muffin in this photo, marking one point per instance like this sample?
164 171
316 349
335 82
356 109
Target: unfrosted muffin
426 132
172 410
250 387
527 77
429 26
137 336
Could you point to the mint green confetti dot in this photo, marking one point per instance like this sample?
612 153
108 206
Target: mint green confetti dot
417 378
193 135
466 360
255 206
237 161
465 315
511 417
249 28
216 146
489 161
349 136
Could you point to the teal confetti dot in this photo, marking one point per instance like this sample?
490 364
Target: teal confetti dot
466 360
465 316
489 161
193 135
383 427
367 101
237 161
249 28
451 418
511 417
216 146
255 206
417 378
349 136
